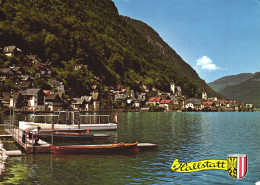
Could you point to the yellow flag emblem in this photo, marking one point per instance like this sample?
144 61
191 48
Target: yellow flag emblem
236 165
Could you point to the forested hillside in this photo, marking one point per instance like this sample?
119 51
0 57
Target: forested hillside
74 32
248 91
167 53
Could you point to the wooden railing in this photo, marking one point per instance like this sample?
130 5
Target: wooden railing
21 136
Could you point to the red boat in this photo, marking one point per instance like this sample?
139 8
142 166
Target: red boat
103 148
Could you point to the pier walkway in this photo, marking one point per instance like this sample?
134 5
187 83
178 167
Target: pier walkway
27 140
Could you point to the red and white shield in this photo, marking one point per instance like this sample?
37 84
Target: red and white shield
237 165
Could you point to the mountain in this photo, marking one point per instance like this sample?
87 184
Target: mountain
71 33
222 83
168 54
248 91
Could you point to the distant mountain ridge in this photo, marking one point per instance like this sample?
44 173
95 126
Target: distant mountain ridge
243 87
226 81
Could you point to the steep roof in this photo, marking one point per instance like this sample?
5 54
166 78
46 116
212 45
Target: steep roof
193 101
24 84
79 101
165 101
46 92
207 103
9 49
16 68
6 95
154 99
31 57
87 98
30 91
6 70
94 87
52 96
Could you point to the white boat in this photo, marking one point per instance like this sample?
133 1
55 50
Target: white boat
71 120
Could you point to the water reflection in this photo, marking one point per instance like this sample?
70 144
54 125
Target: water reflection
184 136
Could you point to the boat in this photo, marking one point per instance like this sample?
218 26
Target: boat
94 149
68 120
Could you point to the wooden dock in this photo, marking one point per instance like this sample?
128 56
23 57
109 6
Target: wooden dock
5 136
29 144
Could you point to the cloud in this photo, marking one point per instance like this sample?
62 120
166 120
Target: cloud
205 63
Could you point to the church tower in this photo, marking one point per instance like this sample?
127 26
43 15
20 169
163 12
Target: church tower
204 94
172 86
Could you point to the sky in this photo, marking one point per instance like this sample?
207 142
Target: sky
215 37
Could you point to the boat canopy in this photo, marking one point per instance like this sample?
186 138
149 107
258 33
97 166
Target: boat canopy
71 118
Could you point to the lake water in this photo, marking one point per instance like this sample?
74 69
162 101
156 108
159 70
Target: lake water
188 137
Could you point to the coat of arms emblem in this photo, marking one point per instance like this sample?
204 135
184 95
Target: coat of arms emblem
237 165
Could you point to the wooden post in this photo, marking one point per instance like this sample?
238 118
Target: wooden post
78 124
52 138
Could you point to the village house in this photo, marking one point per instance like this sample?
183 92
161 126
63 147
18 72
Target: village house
32 59
132 101
24 85
89 106
120 89
120 97
249 105
236 105
167 105
13 99
17 70
26 78
12 73
192 103
7 73
208 105
78 104
43 71
154 101
12 51
34 99
142 97
57 85
54 101
137 104
174 99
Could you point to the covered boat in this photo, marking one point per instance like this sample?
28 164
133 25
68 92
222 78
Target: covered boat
101 148
69 120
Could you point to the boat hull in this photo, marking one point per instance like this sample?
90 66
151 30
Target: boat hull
47 126
94 149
